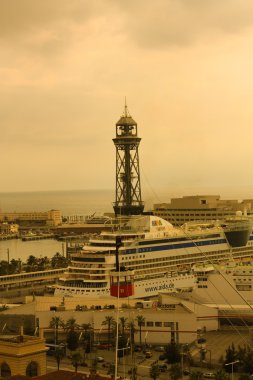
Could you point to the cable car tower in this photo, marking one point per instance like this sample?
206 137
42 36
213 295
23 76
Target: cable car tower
128 188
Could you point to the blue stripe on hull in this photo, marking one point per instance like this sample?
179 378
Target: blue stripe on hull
176 246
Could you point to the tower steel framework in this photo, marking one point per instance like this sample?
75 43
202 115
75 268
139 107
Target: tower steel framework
128 188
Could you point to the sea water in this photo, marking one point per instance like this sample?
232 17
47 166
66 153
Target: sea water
71 202
75 202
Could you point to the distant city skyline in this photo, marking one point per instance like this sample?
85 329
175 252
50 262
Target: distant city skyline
184 66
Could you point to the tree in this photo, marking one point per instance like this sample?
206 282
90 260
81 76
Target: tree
59 261
140 321
173 353
43 263
4 267
123 322
55 323
230 357
132 330
175 371
76 359
245 357
72 340
110 322
133 373
72 336
71 325
154 371
31 263
245 376
221 375
14 266
196 375
58 355
87 337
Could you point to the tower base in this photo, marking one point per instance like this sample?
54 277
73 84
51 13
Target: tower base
128 210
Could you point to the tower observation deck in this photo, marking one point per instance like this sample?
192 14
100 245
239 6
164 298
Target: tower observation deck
128 189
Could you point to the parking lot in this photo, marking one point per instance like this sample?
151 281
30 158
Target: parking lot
216 344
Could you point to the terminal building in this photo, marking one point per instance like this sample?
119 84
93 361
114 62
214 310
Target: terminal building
201 208
48 218
165 319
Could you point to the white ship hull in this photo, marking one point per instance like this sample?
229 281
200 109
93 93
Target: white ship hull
155 250
224 285
142 289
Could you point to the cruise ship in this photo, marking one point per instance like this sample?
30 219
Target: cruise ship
229 283
153 256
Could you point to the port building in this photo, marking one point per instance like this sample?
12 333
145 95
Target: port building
201 208
166 318
48 218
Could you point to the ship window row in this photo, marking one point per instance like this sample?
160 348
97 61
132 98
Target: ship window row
193 209
90 259
185 259
164 259
98 244
85 285
197 237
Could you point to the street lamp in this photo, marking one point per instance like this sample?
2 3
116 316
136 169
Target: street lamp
232 366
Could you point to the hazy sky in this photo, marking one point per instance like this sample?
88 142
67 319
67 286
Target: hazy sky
185 66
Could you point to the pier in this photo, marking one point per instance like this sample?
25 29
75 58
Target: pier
17 283
8 237
37 237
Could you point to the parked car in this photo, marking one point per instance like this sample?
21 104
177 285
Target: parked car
137 349
104 346
100 359
162 357
148 354
163 368
209 375
159 348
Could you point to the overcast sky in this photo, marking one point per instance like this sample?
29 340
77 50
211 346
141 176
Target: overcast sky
185 66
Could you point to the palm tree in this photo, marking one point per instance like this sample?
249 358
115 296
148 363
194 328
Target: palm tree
123 321
71 325
132 330
87 336
221 375
175 371
133 375
58 355
140 320
110 322
72 336
55 323
154 371
76 359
